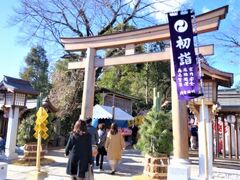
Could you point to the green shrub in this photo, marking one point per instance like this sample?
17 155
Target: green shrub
155 134
26 129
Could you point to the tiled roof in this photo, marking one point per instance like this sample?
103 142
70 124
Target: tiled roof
224 79
17 85
229 99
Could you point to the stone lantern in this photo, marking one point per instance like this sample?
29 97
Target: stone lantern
9 99
13 96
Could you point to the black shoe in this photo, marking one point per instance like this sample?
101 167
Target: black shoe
113 172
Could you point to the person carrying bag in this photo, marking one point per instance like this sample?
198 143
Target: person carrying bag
114 145
79 151
101 143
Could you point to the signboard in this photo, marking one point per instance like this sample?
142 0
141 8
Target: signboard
185 65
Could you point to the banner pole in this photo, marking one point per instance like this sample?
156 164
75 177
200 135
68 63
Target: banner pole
205 141
39 104
38 152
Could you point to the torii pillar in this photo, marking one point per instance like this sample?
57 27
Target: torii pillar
178 168
89 85
206 23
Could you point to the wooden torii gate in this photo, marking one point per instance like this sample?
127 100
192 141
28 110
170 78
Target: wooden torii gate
205 23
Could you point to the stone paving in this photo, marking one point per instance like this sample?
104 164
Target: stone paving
131 165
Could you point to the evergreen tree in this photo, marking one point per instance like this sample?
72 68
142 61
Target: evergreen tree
156 136
36 70
155 133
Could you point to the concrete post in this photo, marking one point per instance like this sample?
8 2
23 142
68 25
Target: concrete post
202 143
12 133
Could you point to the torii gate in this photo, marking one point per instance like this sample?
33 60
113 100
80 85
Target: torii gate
205 23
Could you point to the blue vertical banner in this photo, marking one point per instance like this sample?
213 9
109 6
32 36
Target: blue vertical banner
185 64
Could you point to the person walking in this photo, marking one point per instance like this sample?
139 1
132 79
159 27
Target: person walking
101 143
114 145
194 137
79 150
2 145
134 134
93 131
94 134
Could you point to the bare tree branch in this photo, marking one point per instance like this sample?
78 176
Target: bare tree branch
51 19
229 40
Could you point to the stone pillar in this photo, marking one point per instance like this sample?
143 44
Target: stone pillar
202 143
89 85
12 133
178 168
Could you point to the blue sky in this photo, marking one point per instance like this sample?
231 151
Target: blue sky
13 53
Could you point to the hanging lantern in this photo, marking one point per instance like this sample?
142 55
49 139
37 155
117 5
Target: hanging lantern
209 92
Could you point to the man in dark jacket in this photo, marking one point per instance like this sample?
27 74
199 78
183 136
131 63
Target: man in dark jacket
134 134
93 131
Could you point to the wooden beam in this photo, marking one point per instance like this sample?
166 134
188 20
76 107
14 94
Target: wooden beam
223 138
133 59
77 65
230 140
139 58
236 140
217 137
205 23
130 49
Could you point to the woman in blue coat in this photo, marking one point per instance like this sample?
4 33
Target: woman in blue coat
79 149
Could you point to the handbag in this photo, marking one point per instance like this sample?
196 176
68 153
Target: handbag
89 174
94 150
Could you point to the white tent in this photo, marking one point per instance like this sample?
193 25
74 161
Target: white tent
105 112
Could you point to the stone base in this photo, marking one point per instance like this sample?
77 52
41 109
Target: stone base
10 156
37 175
178 171
30 151
3 170
156 167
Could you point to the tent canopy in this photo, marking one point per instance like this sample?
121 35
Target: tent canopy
105 112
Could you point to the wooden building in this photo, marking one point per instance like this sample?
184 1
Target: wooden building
229 101
226 125
117 99
204 109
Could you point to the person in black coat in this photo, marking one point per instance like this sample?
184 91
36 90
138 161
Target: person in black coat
79 149
134 134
